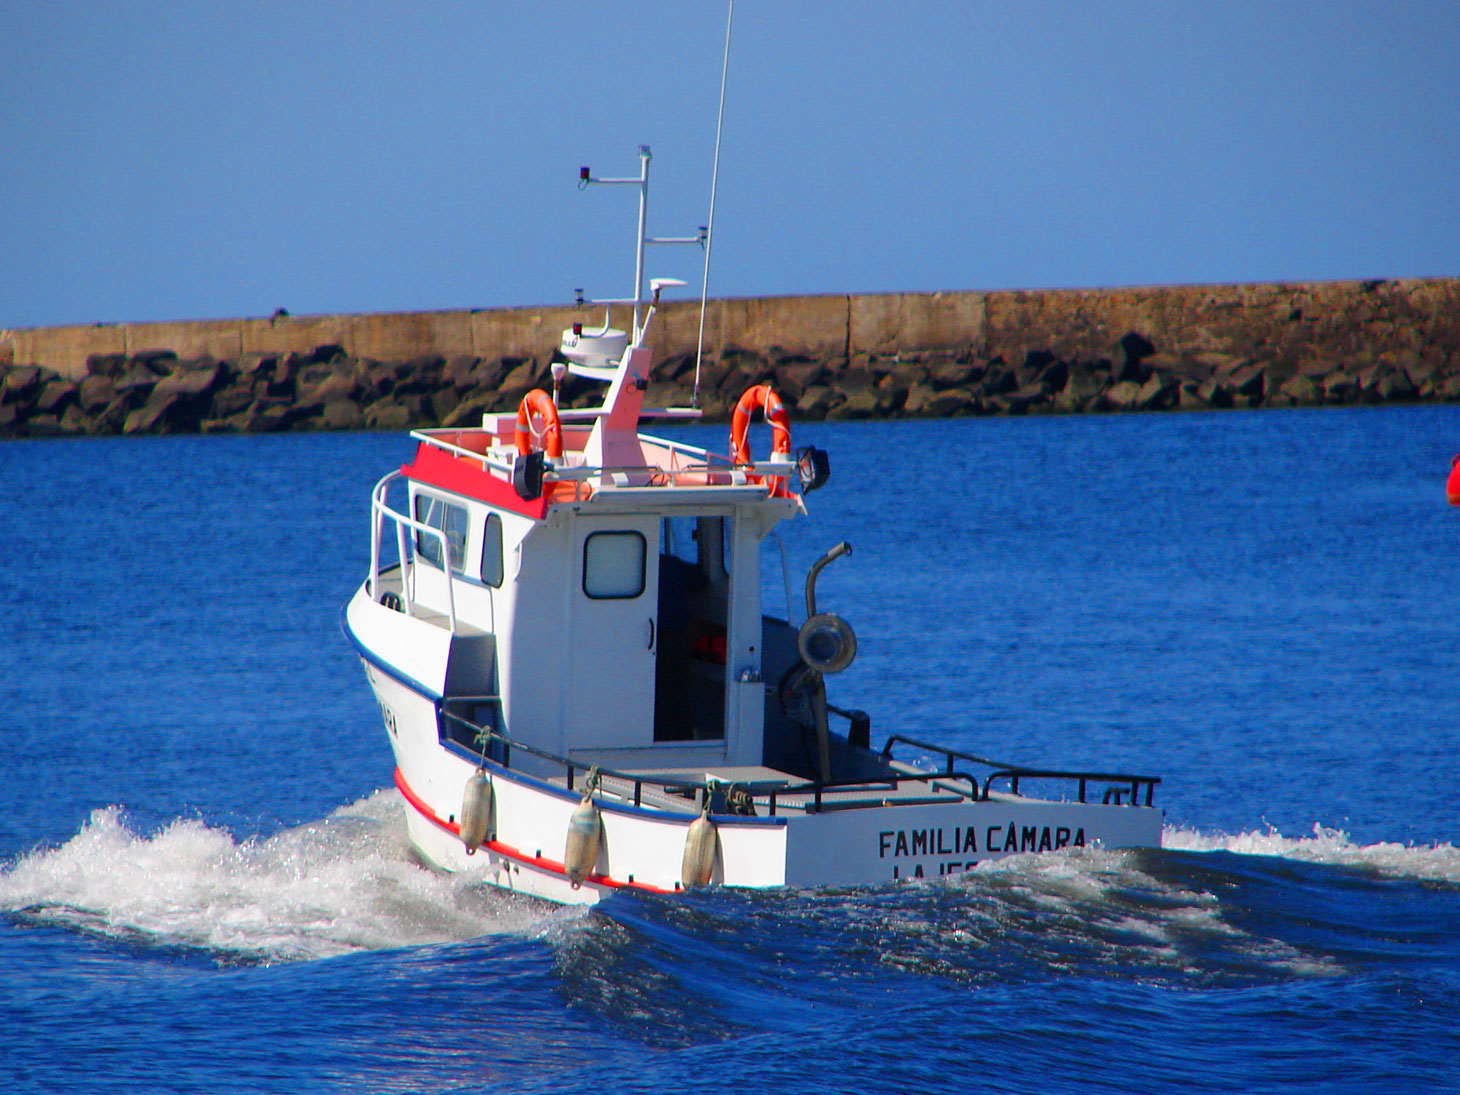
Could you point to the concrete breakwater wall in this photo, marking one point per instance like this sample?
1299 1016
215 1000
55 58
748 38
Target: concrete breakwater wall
843 356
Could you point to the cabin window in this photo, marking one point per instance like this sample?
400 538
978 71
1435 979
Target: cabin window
492 551
613 565
449 519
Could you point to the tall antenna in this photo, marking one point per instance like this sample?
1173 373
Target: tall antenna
710 227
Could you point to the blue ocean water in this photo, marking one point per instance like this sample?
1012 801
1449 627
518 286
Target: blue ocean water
204 883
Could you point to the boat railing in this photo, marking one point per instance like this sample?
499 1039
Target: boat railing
702 465
1114 786
497 747
430 438
380 512
702 460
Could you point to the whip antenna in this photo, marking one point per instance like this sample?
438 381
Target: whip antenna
710 227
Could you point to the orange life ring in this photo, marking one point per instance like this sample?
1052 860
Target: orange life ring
538 403
764 397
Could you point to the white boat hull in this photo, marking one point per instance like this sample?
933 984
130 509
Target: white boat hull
854 842
847 848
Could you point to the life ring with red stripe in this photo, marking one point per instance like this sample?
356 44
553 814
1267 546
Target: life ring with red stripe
539 405
764 398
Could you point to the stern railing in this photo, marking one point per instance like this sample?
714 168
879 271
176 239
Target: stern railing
1116 784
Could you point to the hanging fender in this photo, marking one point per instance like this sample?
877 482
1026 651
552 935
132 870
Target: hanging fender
585 834
701 843
476 811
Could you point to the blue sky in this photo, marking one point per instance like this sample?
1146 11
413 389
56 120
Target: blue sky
195 160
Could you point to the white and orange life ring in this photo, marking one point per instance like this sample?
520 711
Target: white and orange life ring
764 397
537 404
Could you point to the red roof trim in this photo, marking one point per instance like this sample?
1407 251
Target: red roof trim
540 862
438 468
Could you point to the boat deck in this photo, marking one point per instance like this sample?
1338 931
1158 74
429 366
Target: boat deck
390 583
773 791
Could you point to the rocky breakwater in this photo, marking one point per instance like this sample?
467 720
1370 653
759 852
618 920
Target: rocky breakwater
324 389
1091 351
1098 351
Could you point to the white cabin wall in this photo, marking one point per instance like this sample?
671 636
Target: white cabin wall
530 667
486 607
532 657
540 590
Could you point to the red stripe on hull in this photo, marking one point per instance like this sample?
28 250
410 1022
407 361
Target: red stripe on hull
539 862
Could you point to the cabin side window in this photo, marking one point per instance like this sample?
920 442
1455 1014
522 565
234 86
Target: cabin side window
613 565
452 520
492 551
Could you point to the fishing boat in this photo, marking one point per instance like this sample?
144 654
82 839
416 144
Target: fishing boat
585 689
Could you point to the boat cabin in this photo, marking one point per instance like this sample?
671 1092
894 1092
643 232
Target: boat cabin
601 588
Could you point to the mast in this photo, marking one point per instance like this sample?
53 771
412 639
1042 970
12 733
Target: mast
709 230
586 178
644 157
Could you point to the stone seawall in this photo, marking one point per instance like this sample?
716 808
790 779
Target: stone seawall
852 356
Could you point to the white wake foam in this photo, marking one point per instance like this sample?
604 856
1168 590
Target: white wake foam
1098 908
343 884
1431 862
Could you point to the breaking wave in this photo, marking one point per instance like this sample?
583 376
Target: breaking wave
1104 913
343 884
1332 847
350 883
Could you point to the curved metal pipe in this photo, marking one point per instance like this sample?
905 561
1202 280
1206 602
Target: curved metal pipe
835 553
818 697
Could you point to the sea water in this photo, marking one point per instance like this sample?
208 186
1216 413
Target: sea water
205 884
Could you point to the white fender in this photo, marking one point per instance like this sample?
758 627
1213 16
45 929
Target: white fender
701 844
476 811
585 831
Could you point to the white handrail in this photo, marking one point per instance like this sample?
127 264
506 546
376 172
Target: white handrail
379 511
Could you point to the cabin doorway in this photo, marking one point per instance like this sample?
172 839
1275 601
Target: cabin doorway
648 630
694 599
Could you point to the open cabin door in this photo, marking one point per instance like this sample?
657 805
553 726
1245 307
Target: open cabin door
694 606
